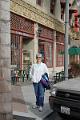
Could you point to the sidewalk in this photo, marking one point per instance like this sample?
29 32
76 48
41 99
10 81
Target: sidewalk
24 98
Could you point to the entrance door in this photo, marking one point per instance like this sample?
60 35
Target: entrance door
26 52
26 59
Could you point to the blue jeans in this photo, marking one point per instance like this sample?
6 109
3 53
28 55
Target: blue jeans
39 93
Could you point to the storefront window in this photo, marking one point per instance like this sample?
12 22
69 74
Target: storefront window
46 50
60 54
52 6
59 49
48 54
39 2
46 45
15 50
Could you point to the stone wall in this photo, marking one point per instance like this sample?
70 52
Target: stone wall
28 11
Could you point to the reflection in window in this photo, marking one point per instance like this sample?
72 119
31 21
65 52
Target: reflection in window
15 50
48 54
39 2
52 6
60 54
46 50
62 11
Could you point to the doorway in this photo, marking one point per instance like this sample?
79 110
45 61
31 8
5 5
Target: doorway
26 52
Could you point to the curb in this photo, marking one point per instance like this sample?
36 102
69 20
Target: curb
22 116
16 117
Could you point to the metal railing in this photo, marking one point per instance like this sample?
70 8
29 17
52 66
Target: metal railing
60 76
19 76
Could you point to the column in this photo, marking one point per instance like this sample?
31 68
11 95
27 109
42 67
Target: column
35 42
20 52
54 67
58 9
5 62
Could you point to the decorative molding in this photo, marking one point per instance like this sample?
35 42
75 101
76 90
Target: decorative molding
30 12
74 35
21 24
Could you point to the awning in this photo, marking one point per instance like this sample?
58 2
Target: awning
64 2
74 51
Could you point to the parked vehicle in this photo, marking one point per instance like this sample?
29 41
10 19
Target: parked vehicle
65 97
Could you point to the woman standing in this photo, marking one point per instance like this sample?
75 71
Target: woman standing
37 70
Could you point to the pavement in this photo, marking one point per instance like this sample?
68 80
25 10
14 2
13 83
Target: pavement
23 98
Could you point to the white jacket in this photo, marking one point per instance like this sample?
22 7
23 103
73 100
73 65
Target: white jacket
37 70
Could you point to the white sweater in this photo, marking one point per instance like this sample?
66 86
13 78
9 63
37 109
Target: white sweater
37 70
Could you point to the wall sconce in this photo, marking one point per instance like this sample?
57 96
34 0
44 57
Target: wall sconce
39 31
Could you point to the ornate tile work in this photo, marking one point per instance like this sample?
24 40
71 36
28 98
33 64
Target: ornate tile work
34 14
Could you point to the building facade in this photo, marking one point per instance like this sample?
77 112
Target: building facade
37 26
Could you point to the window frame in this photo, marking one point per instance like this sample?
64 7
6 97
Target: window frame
39 2
15 50
59 55
52 6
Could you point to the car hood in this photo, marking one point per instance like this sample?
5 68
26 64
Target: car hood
71 84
